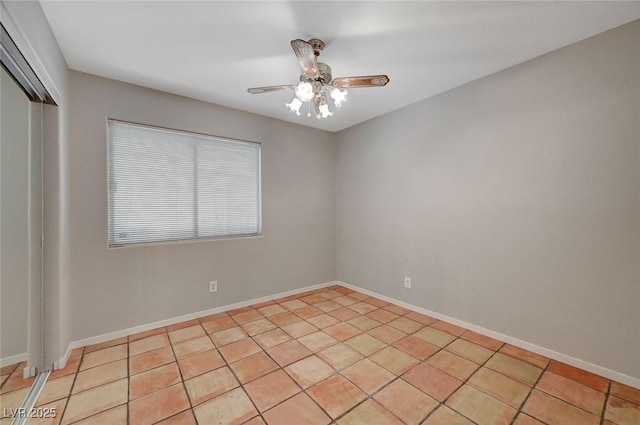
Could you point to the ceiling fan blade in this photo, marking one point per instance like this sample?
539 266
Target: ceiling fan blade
306 57
363 81
268 89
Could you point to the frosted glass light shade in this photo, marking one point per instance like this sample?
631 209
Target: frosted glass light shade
304 91
338 96
324 111
294 105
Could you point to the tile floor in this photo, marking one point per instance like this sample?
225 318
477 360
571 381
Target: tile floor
331 356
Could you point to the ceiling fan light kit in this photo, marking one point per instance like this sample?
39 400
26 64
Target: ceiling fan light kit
316 81
304 91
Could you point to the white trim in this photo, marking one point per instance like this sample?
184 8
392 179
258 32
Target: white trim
172 321
28 372
29 53
18 358
590 367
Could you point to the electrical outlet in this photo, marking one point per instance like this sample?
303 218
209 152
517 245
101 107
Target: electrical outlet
407 282
213 286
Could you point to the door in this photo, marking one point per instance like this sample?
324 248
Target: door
20 227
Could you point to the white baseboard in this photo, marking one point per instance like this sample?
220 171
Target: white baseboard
172 321
28 372
6 361
590 367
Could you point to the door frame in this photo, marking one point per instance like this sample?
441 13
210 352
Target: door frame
17 66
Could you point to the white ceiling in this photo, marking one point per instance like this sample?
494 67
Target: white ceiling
215 50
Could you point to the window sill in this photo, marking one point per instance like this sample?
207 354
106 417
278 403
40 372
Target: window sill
183 241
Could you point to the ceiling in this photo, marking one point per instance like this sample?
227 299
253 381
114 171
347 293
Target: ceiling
215 50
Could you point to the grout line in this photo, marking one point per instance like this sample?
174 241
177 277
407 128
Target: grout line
567 401
443 403
368 396
282 368
533 387
9 375
315 353
182 380
387 344
606 402
91 388
75 378
241 385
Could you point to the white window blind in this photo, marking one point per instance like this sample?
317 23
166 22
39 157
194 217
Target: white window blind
168 185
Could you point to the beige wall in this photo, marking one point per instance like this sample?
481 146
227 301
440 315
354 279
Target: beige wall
513 202
115 289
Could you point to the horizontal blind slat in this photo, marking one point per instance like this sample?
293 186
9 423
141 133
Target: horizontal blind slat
161 180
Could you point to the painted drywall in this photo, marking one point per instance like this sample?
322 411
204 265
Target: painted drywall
119 288
14 218
28 27
513 202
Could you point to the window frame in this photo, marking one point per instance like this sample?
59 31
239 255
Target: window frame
110 207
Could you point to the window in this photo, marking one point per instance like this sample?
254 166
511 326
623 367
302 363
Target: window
168 185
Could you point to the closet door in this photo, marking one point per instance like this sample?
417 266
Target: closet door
20 227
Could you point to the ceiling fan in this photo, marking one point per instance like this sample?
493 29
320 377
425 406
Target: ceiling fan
316 80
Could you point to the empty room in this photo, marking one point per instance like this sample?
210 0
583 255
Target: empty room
315 213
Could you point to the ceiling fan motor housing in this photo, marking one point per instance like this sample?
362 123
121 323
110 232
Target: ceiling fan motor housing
325 74
317 45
